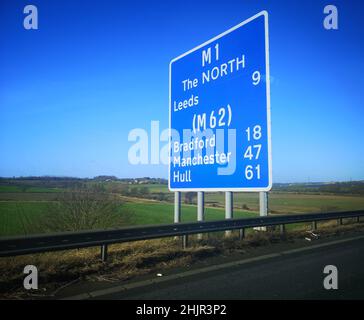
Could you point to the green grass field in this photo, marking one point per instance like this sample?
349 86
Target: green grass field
157 188
18 189
154 213
22 212
280 202
20 218
294 203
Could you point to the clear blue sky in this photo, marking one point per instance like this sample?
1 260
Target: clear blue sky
71 91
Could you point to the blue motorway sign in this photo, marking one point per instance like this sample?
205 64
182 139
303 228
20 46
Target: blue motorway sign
219 101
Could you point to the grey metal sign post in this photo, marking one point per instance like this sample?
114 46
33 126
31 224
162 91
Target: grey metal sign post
263 207
263 204
228 208
177 207
200 206
200 209
177 215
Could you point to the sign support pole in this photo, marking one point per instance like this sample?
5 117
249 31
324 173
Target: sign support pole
228 209
177 214
263 207
263 204
200 209
177 207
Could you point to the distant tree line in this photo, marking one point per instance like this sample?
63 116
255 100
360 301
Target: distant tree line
354 187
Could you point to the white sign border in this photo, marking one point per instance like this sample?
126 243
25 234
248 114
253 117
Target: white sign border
267 80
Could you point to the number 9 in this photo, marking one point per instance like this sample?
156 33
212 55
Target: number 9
256 77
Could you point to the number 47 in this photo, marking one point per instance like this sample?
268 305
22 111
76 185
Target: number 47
249 154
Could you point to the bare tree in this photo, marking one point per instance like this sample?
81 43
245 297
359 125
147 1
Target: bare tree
189 196
85 210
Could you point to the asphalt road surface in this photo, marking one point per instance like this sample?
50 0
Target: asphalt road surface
296 274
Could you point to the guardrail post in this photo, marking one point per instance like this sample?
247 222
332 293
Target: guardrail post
200 209
358 219
241 234
104 252
340 221
228 209
185 241
314 225
283 230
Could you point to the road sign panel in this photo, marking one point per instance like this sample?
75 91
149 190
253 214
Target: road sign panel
219 100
